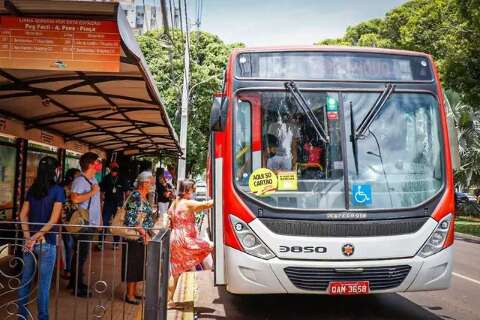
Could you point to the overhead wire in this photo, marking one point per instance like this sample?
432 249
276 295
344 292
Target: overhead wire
169 33
198 23
187 30
200 13
181 22
144 16
187 39
171 8
172 22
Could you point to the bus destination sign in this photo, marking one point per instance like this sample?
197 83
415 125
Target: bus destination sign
339 66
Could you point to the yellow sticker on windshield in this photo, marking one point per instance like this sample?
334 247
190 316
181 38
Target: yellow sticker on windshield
287 181
262 182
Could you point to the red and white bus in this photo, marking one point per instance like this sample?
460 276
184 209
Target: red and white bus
331 173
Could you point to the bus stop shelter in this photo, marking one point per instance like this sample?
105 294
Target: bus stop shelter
72 80
72 76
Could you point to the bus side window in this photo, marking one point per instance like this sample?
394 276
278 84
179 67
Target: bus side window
243 142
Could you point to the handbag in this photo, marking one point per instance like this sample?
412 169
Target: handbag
80 217
118 224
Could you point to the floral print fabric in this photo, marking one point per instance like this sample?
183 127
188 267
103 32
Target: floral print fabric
135 206
186 248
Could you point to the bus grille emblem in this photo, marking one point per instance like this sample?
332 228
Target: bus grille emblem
348 249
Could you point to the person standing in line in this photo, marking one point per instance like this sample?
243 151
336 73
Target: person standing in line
68 210
112 190
187 249
41 210
164 193
173 172
85 193
138 214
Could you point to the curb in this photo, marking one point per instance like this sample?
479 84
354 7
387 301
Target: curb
186 293
467 236
189 295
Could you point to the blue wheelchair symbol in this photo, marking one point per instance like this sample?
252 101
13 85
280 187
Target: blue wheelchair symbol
361 194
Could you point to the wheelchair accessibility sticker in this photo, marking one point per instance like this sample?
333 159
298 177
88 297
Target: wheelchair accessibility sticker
361 195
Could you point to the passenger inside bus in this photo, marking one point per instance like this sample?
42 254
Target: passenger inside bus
277 158
289 142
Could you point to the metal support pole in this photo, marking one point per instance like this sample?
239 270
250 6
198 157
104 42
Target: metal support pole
20 175
156 277
184 113
62 155
19 193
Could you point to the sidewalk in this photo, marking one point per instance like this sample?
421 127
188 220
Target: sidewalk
186 294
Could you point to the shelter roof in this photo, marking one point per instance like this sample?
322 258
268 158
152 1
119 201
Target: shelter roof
115 111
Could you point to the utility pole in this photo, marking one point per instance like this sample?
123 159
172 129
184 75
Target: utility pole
184 111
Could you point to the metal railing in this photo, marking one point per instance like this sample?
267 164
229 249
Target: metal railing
23 275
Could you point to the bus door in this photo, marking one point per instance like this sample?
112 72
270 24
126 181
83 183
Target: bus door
215 169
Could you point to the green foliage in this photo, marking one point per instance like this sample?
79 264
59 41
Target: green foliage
208 60
467 120
471 228
335 42
462 71
447 29
353 34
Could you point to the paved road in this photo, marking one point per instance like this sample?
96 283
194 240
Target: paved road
460 302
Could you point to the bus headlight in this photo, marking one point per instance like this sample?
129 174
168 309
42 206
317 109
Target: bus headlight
249 241
436 240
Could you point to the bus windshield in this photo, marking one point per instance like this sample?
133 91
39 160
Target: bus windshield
399 165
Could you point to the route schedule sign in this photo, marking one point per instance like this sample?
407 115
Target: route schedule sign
59 44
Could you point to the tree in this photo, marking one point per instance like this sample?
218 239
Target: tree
467 120
209 56
335 42
353 34
462 70
447 29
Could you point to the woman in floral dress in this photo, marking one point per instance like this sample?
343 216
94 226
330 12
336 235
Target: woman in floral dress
186 248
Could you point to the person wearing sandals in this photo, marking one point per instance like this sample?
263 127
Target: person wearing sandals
138 214
187 249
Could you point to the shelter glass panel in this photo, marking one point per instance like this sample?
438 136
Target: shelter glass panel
7 178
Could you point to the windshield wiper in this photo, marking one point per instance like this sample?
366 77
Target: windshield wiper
303 104
356 133
374 111
353 138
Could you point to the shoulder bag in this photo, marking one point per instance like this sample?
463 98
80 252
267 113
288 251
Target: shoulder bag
80 217
118 223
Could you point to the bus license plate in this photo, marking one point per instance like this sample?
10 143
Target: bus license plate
348 287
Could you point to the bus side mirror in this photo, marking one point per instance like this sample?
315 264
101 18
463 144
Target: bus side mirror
218 114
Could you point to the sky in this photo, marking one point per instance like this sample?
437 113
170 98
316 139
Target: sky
286 22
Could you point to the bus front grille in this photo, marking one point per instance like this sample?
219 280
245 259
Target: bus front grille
369 228
318 279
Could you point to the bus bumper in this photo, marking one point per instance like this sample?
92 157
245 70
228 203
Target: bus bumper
246 274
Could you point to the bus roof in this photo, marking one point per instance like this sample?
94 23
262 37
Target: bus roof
326 48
